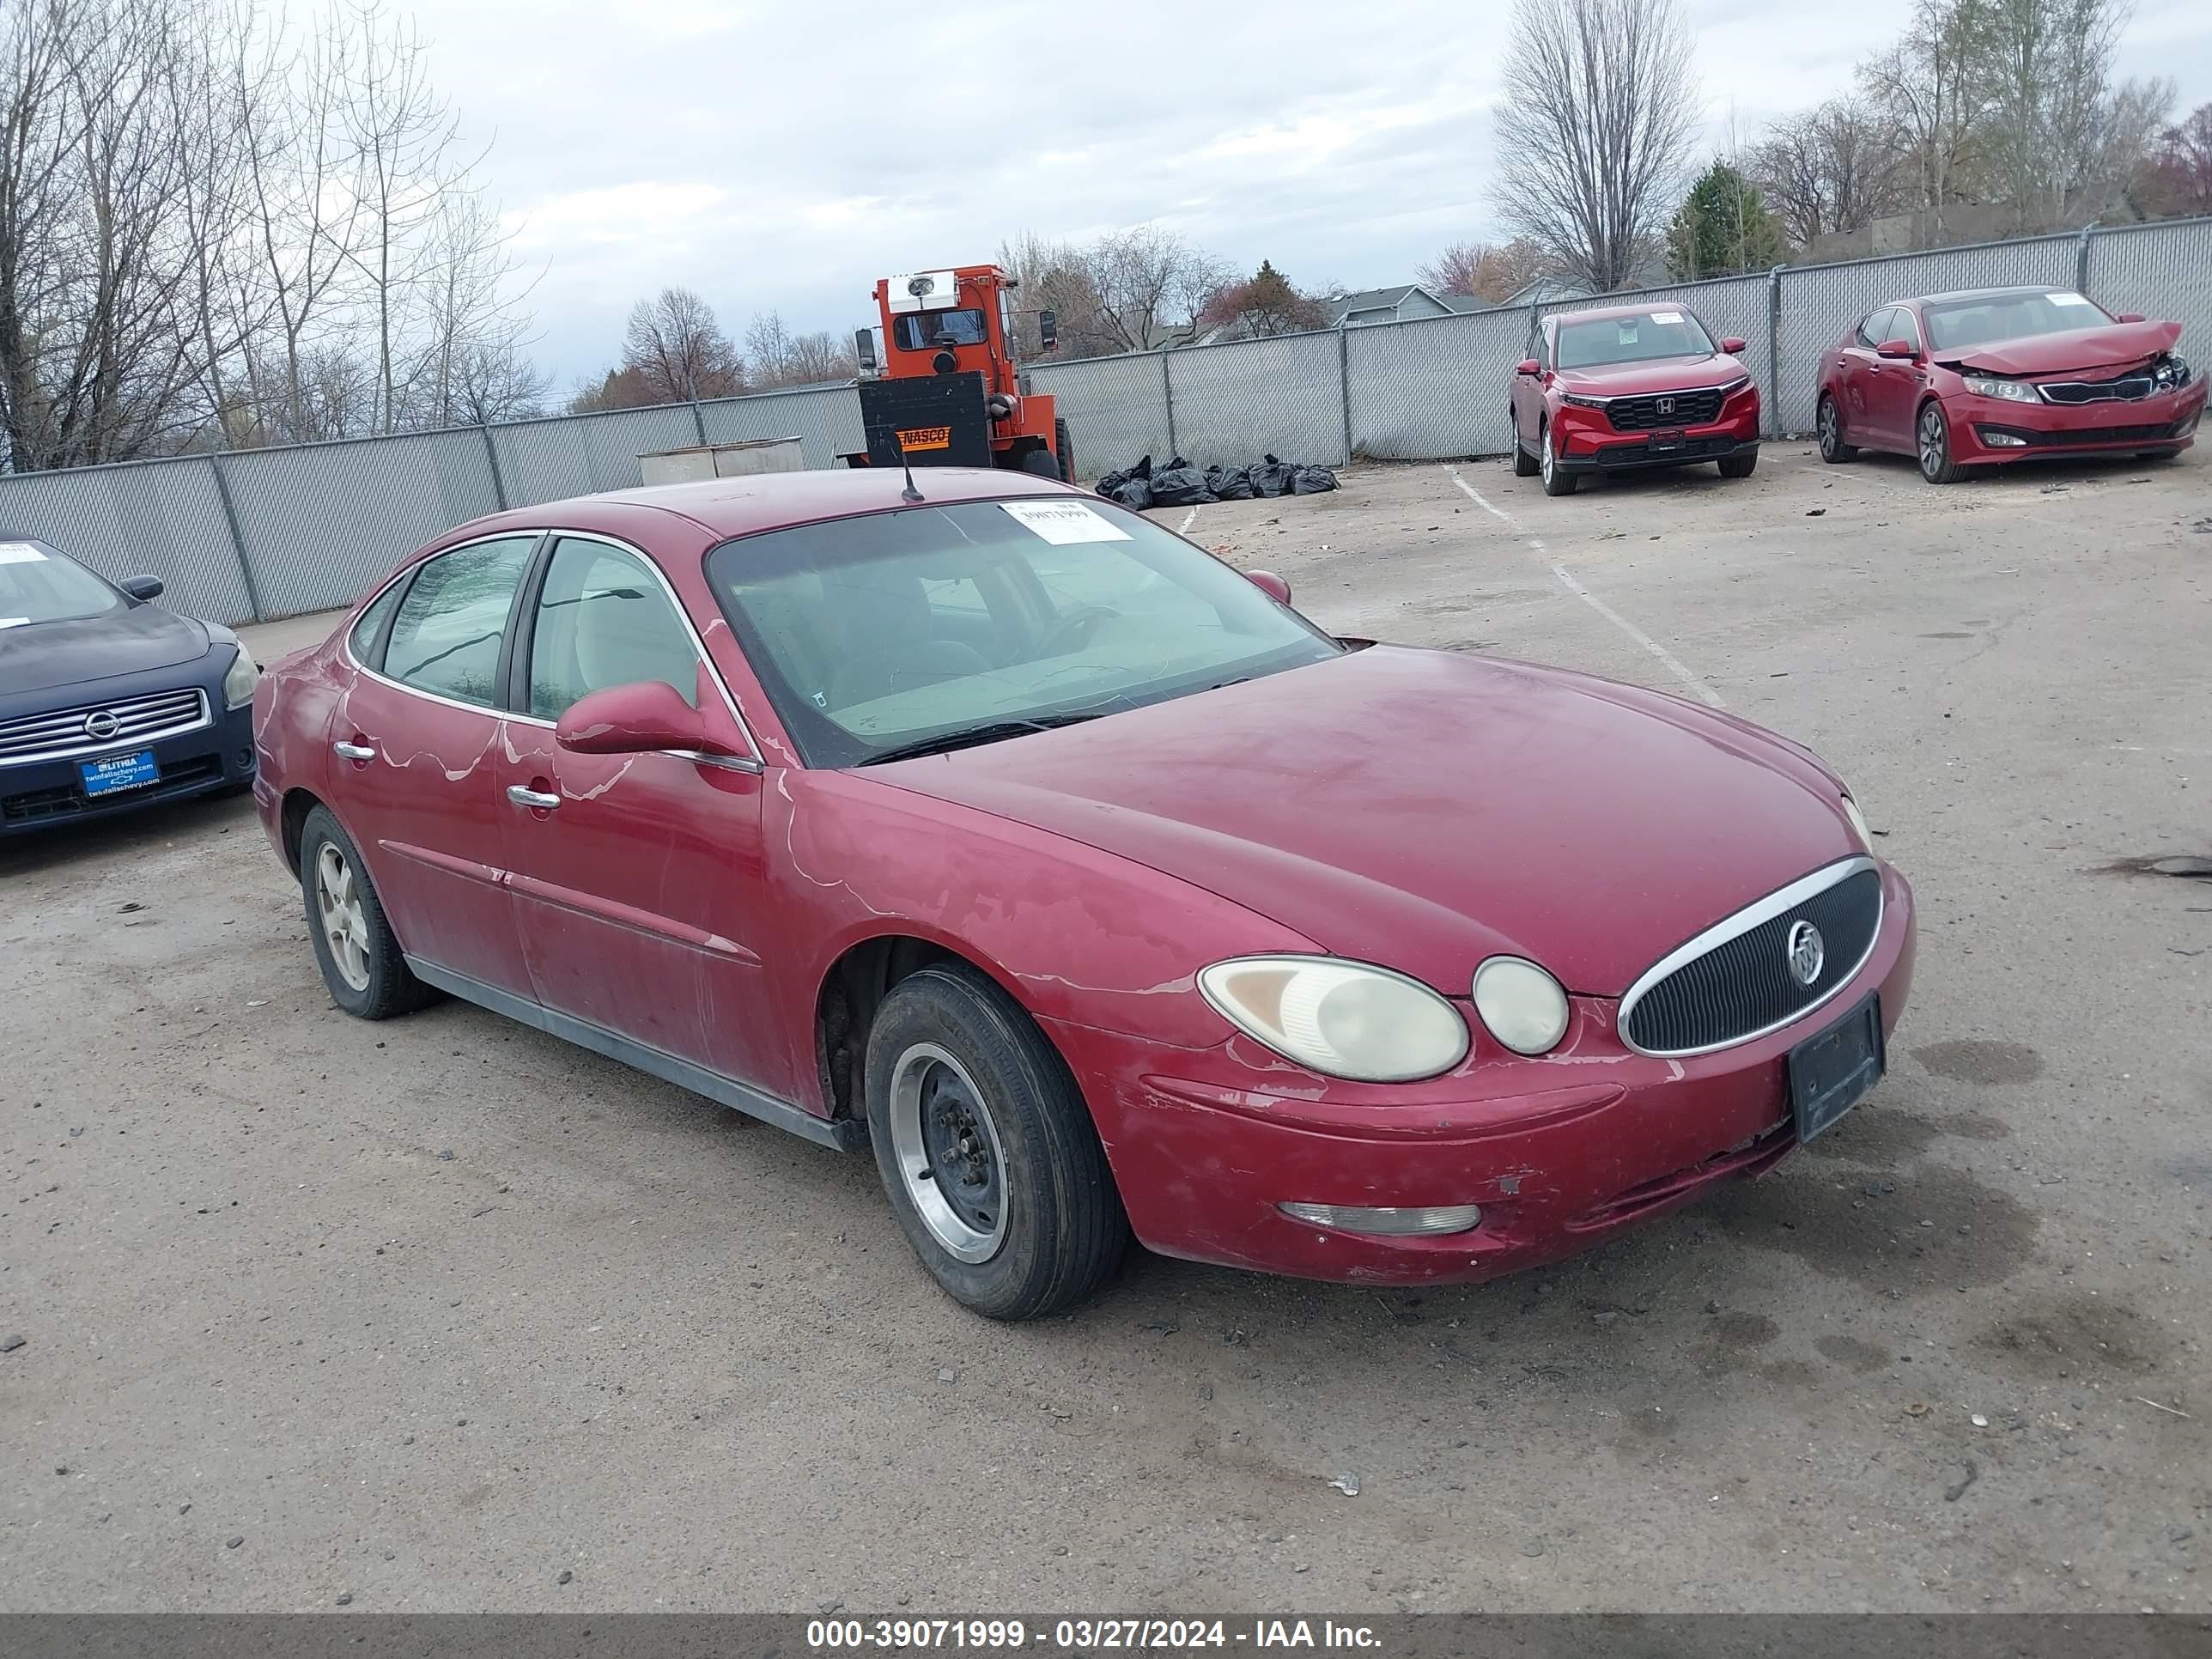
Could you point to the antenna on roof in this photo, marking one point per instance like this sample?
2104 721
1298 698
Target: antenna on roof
909 494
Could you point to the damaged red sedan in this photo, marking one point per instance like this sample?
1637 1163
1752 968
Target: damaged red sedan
1103 895
1984 378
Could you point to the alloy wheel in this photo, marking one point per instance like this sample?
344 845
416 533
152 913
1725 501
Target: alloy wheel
948 1154
1934 443
1545 463
1828 433
346 926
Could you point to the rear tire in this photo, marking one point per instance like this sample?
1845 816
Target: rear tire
960 1082
1830 419
1933 431
1039 463
362 966
1738 466
1059 441
1558 480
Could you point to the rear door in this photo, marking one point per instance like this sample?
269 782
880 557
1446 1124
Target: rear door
414 772
639 880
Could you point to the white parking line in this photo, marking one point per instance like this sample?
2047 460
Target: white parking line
1672 663
1188 519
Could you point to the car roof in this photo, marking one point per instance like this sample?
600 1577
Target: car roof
724 508
1981 293
1599 313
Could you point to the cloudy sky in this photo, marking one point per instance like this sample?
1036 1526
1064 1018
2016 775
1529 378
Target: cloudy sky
784 155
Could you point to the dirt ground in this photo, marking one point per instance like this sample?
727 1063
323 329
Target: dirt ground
442 1314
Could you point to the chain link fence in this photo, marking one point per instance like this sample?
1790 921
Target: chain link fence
258 534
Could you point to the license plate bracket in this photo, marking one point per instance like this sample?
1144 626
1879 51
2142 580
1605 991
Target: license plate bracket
1665 443
111 774
1831 1072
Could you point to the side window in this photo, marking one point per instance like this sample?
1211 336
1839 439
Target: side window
1875 328
446 635
367 636
603 619
1903 327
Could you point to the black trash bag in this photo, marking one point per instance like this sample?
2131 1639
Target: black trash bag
1135 492
1229 483
1175 465
1272 477
1311 480
1111 482
1181 486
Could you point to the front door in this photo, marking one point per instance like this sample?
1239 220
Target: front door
414 779
638 879
1894 389
1857 369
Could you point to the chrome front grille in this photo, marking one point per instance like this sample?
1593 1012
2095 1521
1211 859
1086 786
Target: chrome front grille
93 727
2127 389
1733 982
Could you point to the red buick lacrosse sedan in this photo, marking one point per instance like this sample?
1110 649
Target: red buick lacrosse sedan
1096 891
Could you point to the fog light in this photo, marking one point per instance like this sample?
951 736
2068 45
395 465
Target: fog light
1388 1224
2002 439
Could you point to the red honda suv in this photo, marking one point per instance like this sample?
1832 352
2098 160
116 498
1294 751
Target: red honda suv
1631 386
1998 374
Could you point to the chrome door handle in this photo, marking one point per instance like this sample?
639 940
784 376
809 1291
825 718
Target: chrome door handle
522 795
353 751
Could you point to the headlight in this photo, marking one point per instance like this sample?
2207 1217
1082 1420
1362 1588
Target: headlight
237 684
1342 1019
1581 402
1858 825
1735 385
2011 391
1522 1005
2172 373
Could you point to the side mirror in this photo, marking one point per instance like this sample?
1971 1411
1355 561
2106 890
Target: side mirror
1270 583
142 588
1048 329
864 348
635 719
1732 345
2129 317
1527 366
1898 349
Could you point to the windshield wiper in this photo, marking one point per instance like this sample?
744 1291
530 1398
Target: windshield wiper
973 736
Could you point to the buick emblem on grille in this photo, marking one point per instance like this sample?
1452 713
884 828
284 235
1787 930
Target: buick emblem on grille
101 725
1805 953
1666 405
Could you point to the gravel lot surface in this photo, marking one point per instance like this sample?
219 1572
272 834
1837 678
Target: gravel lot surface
442 1314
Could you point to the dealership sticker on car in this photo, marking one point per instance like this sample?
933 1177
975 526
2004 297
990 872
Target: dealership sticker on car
1831 1073
113 773
1065 523
1666 317
20 553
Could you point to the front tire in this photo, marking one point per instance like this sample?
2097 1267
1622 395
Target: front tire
1934 447
1039 463
1558 480
1738 466
1066 451
987 1150
362 966
1524 464
1830 419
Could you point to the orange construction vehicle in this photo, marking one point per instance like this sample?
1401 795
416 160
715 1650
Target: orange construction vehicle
950 394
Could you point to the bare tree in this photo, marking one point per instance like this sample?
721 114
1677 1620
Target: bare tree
1054 277
1594 125
1149 280
1931 85
818 358
2059 137
1263 304
2176 179
1491 271
1836 167
678 351
768 350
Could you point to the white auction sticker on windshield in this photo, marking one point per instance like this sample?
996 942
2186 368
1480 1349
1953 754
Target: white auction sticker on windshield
15 621
20 553
1668 317
1065 523
2068 300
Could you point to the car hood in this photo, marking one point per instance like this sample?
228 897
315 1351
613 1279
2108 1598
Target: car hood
1426 810
1661 375
38 656
2115 345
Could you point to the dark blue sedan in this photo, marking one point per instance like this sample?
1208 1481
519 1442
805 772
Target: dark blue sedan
108 701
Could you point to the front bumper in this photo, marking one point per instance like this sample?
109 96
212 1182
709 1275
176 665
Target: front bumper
1561 1152
1584 441
50 795
1980 426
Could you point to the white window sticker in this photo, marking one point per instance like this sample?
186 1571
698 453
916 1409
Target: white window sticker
2068 300
15 621
20 553
1065 523
1665 317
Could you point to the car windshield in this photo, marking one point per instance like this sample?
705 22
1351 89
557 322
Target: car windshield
1639 338
1993 317
38 584
921 331
947 624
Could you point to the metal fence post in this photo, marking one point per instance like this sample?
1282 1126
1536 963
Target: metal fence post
237 538
1344 378
699 422
1167 390
1773 400
2081 262
491 458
